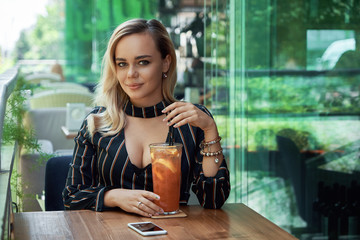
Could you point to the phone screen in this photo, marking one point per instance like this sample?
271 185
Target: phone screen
147 227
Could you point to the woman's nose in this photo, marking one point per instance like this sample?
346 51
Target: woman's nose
132 73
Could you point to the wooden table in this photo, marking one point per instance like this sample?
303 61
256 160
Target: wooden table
233 221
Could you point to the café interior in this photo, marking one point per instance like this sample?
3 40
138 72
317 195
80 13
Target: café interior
281 79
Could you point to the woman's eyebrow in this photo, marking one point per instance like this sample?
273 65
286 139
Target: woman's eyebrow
142 56
120 59
136 58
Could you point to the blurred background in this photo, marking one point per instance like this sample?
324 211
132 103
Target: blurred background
282 79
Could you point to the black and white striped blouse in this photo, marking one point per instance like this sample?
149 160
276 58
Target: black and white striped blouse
102 163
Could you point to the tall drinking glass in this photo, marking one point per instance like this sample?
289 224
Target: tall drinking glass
166 172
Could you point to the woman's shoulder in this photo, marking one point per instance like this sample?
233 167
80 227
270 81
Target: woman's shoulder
96 110
90 118
200 106
203 108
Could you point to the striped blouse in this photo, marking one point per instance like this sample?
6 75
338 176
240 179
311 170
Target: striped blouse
102 163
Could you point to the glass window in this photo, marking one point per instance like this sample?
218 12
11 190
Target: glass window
282 79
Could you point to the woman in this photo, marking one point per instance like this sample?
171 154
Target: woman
111 166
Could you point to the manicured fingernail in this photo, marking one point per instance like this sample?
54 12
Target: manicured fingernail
165 119
164 110
176 125
157 197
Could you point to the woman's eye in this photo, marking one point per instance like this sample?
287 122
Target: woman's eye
121 64
144 62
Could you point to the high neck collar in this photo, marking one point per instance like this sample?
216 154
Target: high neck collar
145 112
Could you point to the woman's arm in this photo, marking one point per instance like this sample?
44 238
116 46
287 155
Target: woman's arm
212 181
81 190
212 192
181 113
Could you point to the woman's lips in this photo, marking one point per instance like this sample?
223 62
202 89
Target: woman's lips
134 86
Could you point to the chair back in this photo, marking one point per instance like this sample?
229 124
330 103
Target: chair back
37 78
59 98
62 85
55 179
294 168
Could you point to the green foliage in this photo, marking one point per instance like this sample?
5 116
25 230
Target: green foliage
22 46
15 131
17 185
45 40
290 95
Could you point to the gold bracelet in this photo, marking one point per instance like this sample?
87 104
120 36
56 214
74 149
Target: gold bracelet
204 144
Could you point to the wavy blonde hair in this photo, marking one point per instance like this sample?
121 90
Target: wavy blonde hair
109 92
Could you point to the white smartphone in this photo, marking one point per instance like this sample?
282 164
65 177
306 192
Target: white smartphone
147 228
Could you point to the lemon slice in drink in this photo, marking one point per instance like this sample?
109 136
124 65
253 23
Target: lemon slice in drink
163 163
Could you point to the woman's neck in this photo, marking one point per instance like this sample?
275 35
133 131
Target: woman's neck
146 102
145 112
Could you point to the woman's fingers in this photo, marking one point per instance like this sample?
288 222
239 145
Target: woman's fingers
148 205
148 208
173 106
182 119
141 209
137 209
181 113
178 111
136 201
150 195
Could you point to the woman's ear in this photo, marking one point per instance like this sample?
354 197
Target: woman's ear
166 63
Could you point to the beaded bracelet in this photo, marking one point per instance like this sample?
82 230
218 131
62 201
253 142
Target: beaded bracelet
204 144
212 154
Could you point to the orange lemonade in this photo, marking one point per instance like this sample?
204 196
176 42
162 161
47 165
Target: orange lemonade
166 172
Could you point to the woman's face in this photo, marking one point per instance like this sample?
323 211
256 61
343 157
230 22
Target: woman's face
139 68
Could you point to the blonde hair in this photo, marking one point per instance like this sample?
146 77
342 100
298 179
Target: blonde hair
109 92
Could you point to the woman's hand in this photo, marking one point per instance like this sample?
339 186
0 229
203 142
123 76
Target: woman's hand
134 201
181 113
